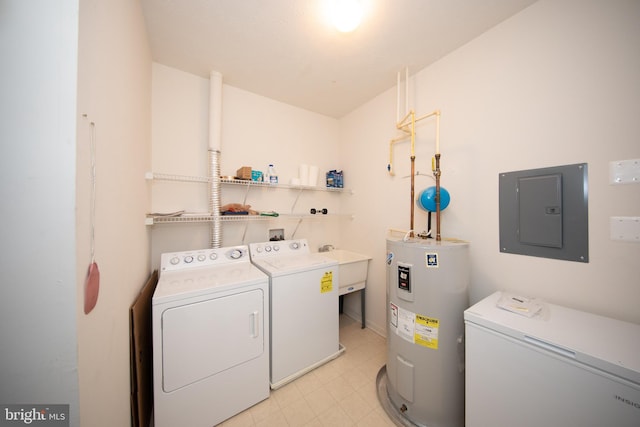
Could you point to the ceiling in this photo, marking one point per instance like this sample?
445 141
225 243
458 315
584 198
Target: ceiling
285 50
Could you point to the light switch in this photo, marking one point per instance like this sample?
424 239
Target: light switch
625 228
624 172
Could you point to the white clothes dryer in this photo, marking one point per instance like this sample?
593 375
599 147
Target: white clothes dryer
210 321
304 307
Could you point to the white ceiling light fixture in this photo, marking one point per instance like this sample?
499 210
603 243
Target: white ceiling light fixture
345 15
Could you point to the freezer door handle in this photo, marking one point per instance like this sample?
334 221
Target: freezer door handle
550 347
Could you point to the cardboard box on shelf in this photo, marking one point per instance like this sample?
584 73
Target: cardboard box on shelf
244 172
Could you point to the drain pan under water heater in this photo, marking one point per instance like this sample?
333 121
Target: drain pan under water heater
427 292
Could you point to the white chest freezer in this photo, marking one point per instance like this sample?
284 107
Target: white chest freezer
558 368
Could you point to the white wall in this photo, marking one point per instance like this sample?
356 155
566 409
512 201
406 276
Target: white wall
256 131
556 84
38 363
114 91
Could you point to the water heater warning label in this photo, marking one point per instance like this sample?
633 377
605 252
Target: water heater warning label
415 328
426 333
326 282
393 315
406 324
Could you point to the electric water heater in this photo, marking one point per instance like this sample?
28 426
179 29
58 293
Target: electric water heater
427 293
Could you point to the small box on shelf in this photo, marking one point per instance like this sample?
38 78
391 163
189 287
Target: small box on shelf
256 176
335 179
244 172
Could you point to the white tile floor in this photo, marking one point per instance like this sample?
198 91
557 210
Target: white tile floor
339 393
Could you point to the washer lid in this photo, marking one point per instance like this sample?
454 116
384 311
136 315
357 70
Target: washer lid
180 284
281 265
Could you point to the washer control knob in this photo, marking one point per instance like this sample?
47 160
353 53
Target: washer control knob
235 254
202 257
276 248
267 248
259 249
213 256
295 245
188 259
175 260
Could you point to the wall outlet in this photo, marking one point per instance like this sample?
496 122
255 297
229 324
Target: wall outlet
625 228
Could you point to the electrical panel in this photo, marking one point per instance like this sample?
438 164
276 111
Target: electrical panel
544 212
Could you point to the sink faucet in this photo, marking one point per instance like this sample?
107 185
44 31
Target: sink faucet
326 248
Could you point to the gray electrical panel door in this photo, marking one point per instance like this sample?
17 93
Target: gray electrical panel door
544 212
540 210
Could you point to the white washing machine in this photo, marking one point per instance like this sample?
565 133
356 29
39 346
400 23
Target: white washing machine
210 315
304 307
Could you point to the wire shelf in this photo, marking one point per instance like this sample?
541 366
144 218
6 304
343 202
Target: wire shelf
249 183
235 181
186 217
197 218
180 178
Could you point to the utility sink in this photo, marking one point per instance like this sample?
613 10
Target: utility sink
352 275
352 269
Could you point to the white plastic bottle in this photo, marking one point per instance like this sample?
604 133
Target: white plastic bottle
273 175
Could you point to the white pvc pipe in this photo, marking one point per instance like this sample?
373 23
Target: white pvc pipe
215 110
398 99
438 133
215 143
406 90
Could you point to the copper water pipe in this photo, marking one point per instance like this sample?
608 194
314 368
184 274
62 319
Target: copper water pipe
402 125
413 193
413 171
437 174
410 121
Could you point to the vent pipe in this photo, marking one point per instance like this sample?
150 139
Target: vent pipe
215 140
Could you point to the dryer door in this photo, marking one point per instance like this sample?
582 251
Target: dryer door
204 338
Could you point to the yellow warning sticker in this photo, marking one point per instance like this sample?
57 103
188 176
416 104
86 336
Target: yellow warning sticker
426 331
326 282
